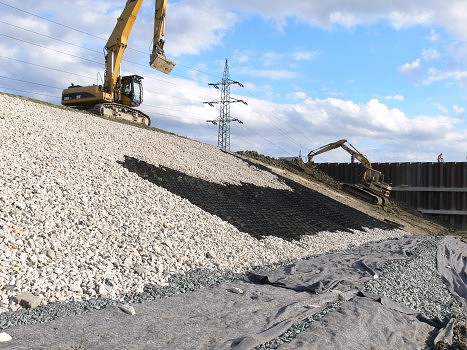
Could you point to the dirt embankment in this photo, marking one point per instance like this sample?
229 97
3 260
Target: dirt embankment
398 214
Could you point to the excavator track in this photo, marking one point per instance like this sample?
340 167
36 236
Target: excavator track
122 112
364 194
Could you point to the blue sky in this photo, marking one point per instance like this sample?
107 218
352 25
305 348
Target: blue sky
389 77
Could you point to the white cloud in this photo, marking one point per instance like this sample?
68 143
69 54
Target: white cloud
398 13
194 28
269 73
394 97
441 108
410 68
304 55
436 75
458 109
297 95
242 56
434 36
430 54
373 122
401 19
271 58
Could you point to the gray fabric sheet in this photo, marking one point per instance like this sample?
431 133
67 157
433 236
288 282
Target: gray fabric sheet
365 323
217 318
452 267
342 271
206 319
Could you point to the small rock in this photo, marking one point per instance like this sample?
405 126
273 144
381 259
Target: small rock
28 300
210 255
127 262
102 290
235 290
128 309
20 205
4 337
76 289
50 254
140 271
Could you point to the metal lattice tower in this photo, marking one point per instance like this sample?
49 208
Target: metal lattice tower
223 137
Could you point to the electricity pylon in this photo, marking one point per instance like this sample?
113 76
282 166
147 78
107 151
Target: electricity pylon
223 137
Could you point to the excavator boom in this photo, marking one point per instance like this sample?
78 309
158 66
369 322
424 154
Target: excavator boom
117 43
119 94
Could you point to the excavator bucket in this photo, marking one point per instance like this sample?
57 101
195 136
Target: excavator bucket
161 63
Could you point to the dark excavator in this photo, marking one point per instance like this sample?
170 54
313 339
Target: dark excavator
372 187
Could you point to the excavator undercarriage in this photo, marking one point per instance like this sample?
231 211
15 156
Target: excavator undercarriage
121 112
362 193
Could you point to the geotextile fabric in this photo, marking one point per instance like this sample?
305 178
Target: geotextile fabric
247 313
452 267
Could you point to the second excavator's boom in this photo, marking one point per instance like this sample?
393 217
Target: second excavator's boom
371 178
346 146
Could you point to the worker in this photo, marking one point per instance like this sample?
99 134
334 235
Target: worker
440 158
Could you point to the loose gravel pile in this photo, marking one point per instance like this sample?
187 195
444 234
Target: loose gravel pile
80 231
96 213
415 283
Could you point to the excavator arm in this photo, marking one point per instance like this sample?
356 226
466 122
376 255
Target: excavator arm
344 145
118 42
372 179
158 60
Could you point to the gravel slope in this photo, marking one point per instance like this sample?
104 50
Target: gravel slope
75 224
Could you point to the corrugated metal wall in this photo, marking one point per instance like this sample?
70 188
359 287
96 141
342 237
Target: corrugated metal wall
433 188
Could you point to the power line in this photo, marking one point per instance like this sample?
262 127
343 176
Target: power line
80 75
45 67
266 139
29 92
146 105
279 129
49 48
95 51
51 37
162 114
49 20
30 82
86 33
82 58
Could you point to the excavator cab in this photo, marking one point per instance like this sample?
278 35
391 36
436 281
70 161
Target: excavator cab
132 90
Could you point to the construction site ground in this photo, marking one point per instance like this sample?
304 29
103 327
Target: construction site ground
397 214
204 318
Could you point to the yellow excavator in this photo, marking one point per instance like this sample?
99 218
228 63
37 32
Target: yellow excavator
372 187
117 96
